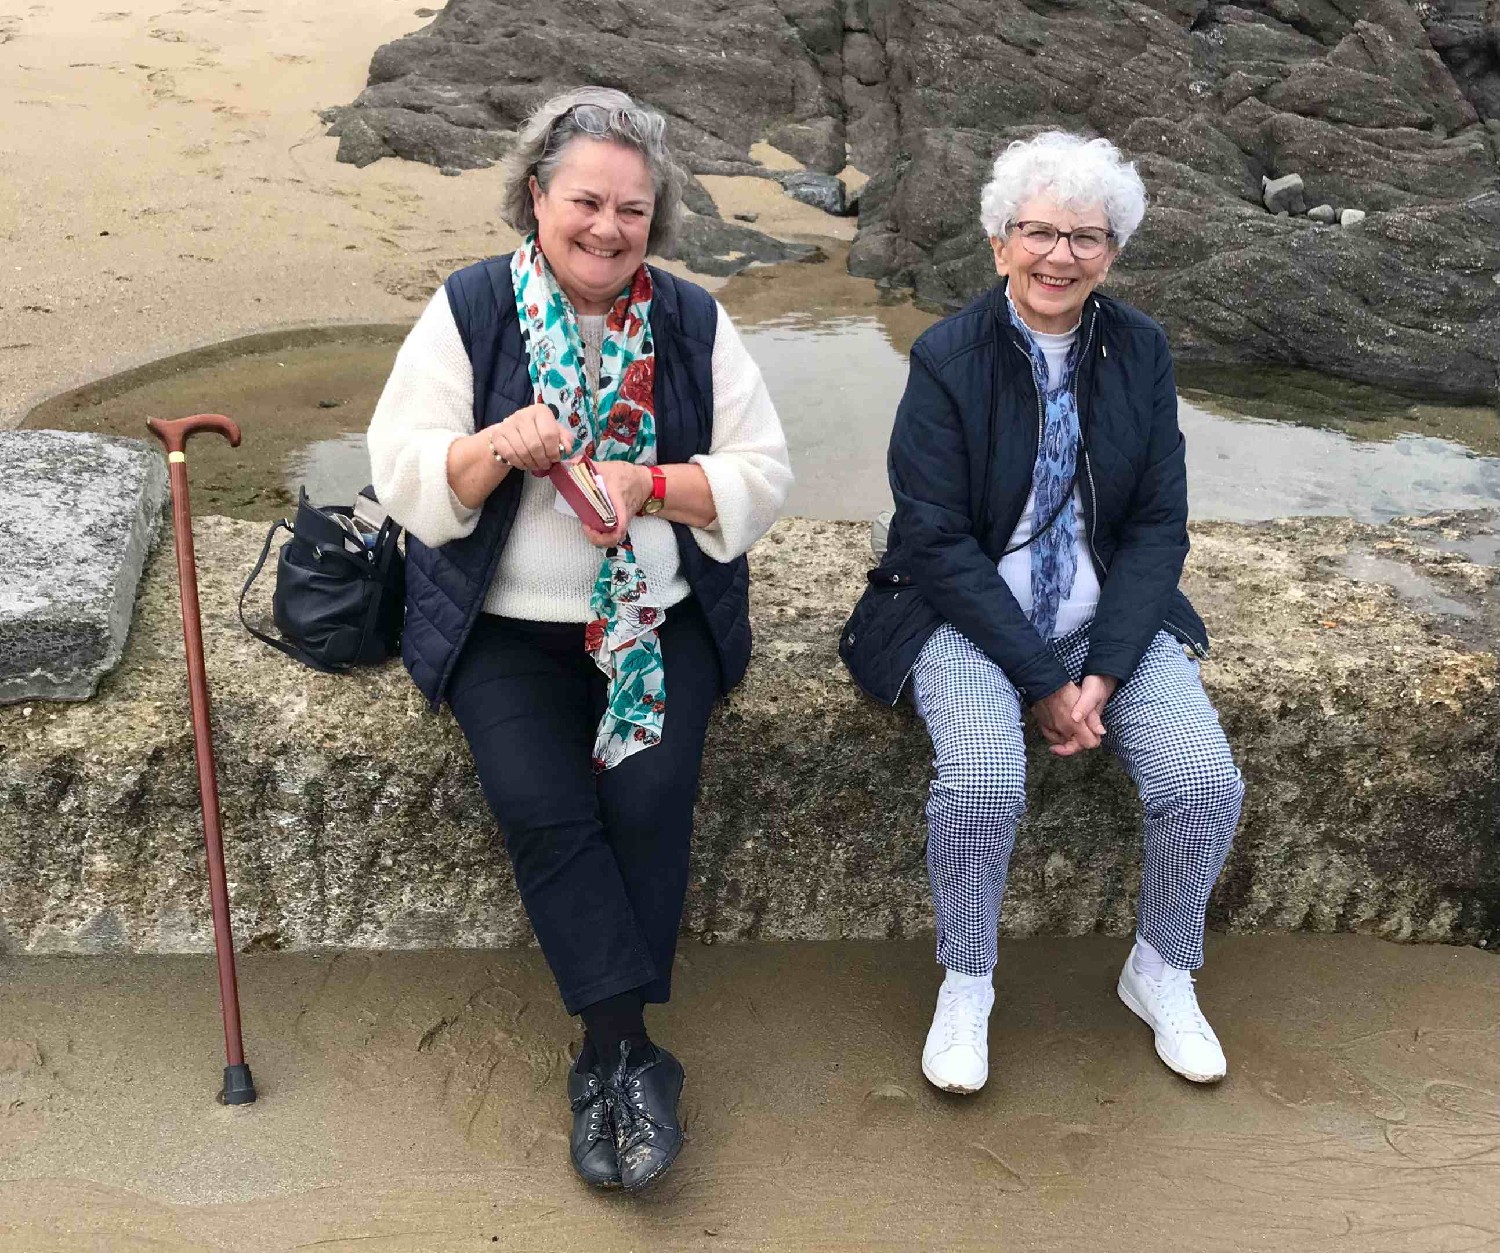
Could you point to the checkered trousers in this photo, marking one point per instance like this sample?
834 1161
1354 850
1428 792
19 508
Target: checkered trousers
1164 731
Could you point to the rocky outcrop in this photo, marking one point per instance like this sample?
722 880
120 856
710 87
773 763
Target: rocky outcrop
1366 728
1379 105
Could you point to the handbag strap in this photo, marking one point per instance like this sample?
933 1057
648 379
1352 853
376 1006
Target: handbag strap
281 646
1067 499
385 546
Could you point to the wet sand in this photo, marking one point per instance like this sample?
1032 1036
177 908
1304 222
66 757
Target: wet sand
414 1102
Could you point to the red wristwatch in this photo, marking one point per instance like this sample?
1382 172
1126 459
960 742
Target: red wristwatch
657 500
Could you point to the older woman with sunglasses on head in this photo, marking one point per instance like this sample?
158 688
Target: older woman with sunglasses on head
1033 561
581 660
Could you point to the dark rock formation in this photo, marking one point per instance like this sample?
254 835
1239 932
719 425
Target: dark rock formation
1366 729
1382 105
710 245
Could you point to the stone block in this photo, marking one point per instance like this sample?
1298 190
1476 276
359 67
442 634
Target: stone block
81 514
1351 217
1365 726
1322 213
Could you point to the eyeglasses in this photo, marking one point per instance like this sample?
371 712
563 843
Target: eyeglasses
599 119
1086 243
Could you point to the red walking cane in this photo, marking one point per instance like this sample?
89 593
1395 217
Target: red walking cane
239 1088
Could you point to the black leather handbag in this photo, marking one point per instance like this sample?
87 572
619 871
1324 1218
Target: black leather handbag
335 607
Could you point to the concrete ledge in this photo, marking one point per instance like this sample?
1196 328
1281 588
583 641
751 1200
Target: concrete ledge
1366 727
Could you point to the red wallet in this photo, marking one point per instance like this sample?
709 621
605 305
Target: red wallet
578 482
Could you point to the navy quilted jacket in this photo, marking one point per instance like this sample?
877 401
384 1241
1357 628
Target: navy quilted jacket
445 586
960 465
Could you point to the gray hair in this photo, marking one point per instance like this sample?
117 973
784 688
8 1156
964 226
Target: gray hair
592 113
1077 172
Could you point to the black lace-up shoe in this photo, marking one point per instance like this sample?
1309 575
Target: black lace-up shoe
592 1144
648 1136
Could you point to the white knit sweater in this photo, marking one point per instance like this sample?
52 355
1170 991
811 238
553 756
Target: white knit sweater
547 568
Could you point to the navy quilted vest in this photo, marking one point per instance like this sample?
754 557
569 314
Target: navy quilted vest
445 586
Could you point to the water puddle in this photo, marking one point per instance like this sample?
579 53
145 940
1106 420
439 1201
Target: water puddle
833 351
1411 585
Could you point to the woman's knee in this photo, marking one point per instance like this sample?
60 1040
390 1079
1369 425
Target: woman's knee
982 789
1210 787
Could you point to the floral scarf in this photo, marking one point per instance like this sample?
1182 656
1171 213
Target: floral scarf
616 424
1054 555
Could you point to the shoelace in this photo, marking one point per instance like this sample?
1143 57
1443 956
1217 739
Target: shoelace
1179 1004
633 1125
600 1102
965 1019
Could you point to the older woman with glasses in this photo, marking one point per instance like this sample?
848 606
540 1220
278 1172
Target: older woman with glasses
580 659
1033 561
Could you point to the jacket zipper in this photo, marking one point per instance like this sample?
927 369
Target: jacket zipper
1181 633
1088 468
1184 636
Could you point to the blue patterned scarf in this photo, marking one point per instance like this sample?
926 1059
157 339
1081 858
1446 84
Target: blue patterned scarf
1054 553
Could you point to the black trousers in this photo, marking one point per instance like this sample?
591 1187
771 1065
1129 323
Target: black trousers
601 861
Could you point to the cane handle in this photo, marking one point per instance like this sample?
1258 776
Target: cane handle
174 433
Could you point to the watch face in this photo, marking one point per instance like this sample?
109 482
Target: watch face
653 505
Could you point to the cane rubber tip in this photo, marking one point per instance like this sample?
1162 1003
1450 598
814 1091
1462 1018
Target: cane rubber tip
239 1088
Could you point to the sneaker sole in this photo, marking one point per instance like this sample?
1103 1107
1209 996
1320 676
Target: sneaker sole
1136 1008
955 1088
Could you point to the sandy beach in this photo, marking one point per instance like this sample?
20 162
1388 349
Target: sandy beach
168 184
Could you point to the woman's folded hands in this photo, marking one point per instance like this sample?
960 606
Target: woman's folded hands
1069 719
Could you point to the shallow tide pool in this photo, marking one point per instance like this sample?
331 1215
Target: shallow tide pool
836 374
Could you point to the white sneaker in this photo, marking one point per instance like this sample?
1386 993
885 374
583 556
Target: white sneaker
1184 1040
956 1056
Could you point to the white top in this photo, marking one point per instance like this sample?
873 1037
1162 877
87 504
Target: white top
547 568
1078 606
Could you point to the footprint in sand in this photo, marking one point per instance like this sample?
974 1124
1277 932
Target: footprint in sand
1002 1175
167 36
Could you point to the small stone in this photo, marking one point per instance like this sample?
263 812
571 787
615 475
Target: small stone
1283 193
450 171
1351 217
329 404
1323 213
747 217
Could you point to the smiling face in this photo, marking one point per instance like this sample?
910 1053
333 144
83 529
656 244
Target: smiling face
1049 291
594 219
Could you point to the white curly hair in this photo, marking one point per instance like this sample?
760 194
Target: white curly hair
1077 172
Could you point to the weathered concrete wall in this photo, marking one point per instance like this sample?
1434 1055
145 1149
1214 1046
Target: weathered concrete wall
1367 731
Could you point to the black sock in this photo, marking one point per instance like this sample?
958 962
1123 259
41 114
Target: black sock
615 1019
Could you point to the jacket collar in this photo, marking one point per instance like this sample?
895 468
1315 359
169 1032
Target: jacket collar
1001 314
